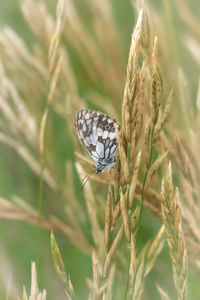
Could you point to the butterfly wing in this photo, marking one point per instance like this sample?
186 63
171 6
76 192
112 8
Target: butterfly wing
85 127
96 132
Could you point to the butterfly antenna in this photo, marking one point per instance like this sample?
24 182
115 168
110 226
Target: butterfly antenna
86 178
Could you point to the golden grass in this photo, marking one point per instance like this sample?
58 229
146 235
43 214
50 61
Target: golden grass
172 220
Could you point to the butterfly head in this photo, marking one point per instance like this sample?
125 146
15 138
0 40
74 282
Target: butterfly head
105 163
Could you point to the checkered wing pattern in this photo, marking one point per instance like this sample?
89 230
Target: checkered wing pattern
96 132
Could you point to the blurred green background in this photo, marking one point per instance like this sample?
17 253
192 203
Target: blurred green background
21 243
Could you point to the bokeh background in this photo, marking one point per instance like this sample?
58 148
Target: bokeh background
21 242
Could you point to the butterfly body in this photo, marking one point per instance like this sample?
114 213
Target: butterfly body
96 132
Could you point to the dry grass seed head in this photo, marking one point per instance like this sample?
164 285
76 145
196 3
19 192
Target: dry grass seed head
171 216
124 167
123 202
131 76
134 179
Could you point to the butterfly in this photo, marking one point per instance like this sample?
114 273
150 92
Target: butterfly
96 132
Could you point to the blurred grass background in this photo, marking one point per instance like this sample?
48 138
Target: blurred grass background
19 240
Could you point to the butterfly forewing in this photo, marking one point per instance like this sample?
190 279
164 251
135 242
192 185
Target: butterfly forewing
96 132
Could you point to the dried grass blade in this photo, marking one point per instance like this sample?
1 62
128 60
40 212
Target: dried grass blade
111 253
108 216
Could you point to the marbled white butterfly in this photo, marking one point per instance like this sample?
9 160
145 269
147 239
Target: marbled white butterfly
96 132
